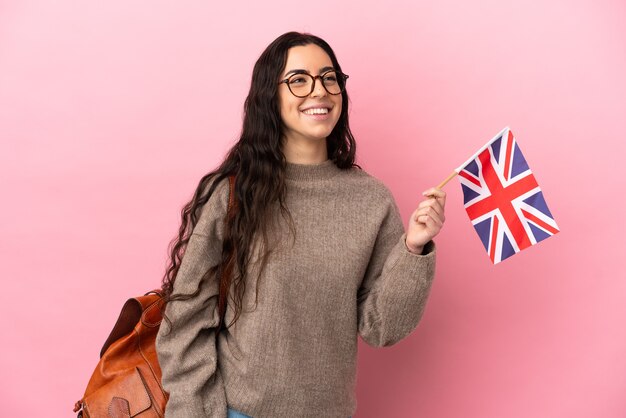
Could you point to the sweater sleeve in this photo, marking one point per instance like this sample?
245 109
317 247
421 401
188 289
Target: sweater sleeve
393 293
187 348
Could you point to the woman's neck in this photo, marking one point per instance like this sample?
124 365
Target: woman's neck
305 151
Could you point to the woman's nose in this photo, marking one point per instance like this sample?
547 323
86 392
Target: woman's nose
318 88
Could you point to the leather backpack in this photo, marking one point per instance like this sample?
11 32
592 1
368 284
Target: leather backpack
127 380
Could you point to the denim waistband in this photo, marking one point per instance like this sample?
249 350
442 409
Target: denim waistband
236 414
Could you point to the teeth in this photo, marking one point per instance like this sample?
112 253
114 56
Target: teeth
316 111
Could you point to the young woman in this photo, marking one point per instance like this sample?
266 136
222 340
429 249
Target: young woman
313 253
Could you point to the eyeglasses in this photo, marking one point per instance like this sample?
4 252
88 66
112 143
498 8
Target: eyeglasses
301 84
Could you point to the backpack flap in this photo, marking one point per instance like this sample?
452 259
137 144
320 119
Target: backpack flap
124 397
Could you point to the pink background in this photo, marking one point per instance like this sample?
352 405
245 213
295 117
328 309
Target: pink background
111 111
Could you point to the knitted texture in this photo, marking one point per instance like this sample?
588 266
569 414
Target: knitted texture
292 353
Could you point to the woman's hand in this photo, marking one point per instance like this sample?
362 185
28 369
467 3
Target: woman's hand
426 221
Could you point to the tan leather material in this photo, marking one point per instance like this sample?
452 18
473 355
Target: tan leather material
128 372
151 316
131 312
110 399
119 408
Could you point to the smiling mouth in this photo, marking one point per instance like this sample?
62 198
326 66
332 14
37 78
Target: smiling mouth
316 111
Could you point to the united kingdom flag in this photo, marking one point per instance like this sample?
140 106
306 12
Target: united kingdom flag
503 199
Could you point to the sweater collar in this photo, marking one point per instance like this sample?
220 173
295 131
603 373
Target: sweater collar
323 170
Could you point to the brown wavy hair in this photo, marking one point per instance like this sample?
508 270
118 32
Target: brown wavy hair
258 165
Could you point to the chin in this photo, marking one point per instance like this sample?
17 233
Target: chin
319 137
321 133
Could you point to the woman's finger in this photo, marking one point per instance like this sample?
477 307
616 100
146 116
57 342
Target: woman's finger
434 211
438 194
434 205
430 219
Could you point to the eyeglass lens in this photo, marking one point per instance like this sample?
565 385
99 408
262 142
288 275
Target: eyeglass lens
302 85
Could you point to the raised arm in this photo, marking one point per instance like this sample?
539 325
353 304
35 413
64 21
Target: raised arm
396 285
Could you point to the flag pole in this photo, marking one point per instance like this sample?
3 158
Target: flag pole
443 183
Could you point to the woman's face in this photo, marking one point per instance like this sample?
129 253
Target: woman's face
302 117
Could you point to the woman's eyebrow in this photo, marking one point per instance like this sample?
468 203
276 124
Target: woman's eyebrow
296 71
301 71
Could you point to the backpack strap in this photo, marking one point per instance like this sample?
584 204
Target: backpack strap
232 203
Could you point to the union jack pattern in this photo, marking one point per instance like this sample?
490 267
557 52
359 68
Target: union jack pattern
503 199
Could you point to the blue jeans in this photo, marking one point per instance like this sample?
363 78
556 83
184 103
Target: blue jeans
236 414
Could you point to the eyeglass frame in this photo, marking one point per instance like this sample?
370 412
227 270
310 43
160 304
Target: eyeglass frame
315 77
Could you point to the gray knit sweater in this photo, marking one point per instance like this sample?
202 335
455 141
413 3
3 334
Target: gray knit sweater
293 353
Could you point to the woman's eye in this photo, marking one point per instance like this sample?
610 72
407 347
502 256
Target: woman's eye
297 80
